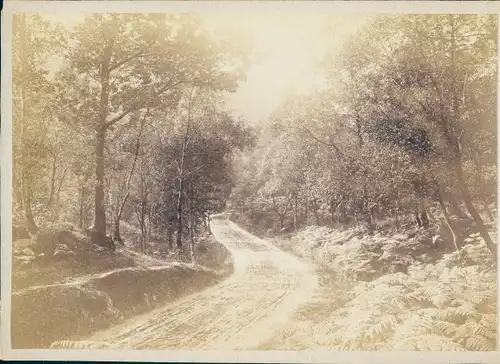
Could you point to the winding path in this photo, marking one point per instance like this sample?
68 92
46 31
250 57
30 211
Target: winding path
241 313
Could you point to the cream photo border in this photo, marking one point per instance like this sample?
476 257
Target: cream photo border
61 7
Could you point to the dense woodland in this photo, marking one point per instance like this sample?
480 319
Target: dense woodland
121 119
403 129
121 133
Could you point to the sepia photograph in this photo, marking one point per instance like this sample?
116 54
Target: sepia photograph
251 181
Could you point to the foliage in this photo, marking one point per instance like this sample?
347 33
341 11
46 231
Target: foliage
431 308
445 305
99 139
397 130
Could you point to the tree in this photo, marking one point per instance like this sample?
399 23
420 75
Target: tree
126 63
32 95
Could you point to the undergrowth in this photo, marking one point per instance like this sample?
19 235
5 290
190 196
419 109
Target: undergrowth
432 308
445 304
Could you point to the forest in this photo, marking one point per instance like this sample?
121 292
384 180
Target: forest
129 129
405 125
383 175
386 175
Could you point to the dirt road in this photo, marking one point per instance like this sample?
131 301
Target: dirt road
242 312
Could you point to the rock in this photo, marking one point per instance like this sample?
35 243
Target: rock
28 252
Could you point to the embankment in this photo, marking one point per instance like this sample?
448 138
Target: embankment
80 305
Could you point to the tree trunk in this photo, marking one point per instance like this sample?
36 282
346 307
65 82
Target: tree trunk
52 182
82 201
423 213
121 207
25 180
295 206
144 203
447 219
179 214
314 204
332 211
59 188
170 239
209 225
306 212
149 224
479 183
32 227
100 212
454 141
417 216
192 233
464 190
116 235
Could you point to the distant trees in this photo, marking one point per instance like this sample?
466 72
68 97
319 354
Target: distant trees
196 175
36 151
131 113
408 110
127 63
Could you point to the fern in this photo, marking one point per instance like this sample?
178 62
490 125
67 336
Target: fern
383 329
479 343
69 344
428 343
403 312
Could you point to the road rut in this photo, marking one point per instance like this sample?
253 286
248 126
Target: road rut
240 313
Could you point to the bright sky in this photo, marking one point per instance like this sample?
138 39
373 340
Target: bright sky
290 46
287 47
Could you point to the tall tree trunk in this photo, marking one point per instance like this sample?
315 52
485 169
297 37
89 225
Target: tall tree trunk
170 238
82 201
192 233
121 207
26 187
306 211
143 223
149 224
59 188
316 212
179 214
181 176
99 235
116 234
52 182
100 212
32 227
464 190
295 206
